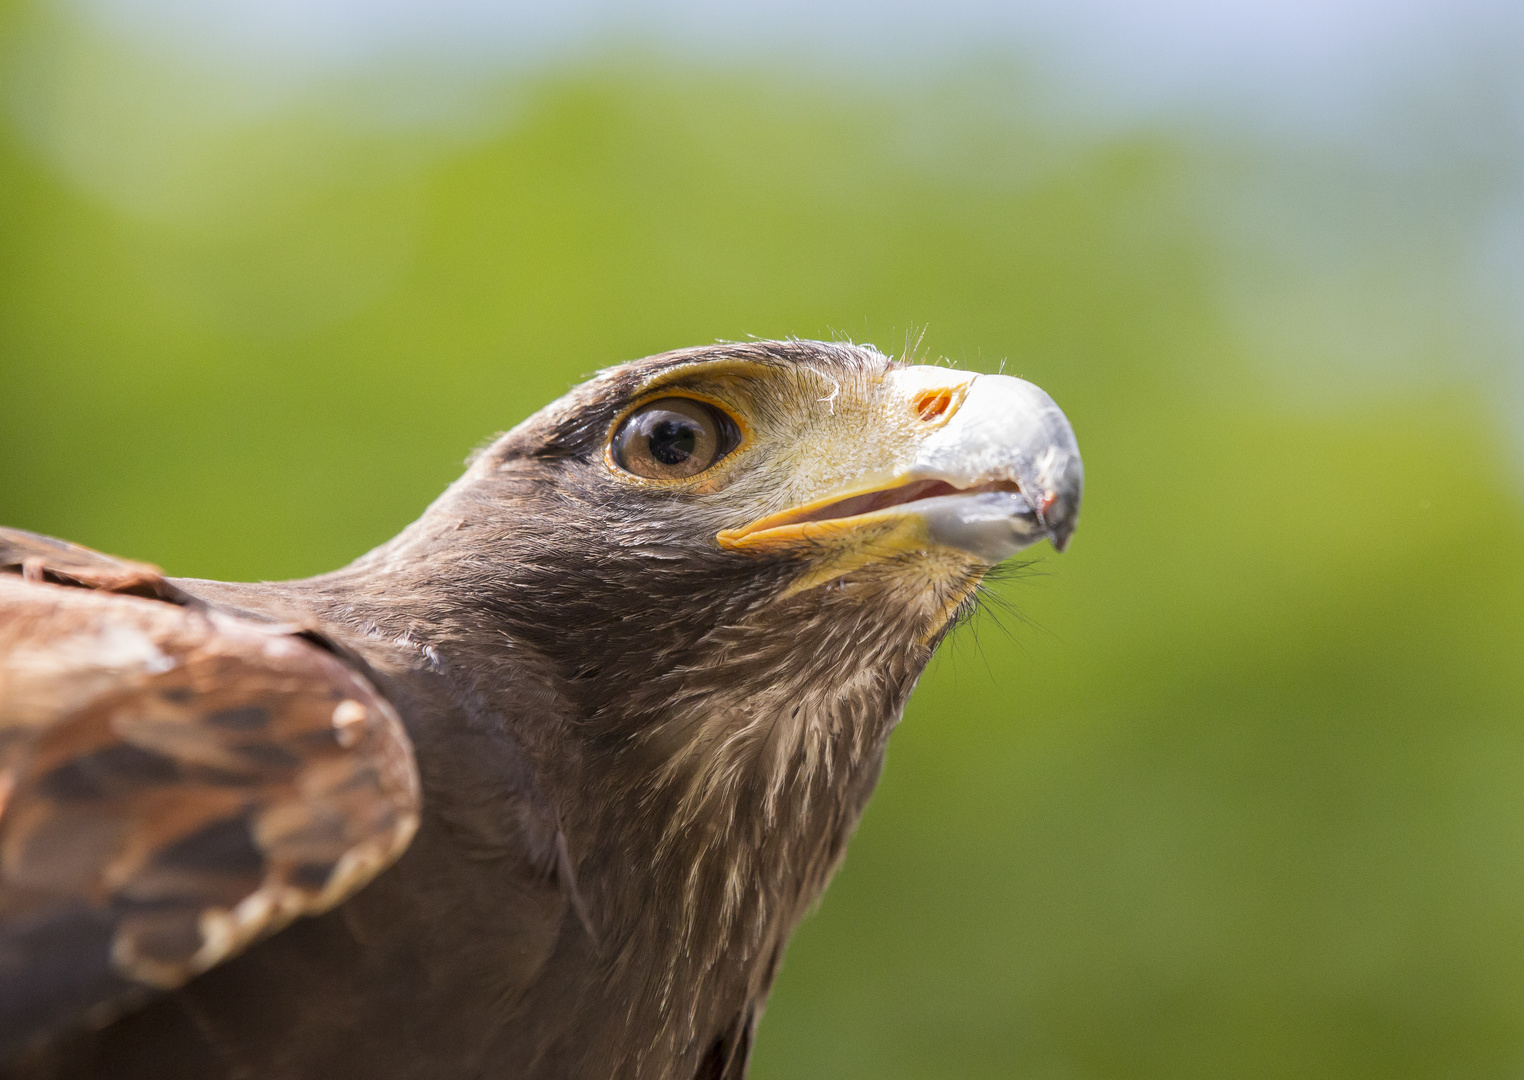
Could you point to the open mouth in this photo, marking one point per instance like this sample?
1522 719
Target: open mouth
872 501
858 506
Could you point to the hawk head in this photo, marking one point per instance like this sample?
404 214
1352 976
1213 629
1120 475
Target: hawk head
726 567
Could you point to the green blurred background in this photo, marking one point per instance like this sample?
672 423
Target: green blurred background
1233 789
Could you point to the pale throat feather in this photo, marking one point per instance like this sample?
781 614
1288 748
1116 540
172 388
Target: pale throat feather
766 767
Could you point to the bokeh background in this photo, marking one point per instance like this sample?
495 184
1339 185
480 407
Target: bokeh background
1233 789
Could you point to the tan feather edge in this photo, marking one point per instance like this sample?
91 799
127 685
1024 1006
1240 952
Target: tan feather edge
225 932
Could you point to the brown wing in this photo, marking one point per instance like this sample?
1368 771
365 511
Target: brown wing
43 558
175 783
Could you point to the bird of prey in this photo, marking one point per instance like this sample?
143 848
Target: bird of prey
537 789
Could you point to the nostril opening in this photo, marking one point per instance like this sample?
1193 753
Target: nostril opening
931 404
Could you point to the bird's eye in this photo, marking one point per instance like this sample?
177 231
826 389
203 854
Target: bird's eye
673 438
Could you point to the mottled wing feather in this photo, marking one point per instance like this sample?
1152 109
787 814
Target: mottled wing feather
175 783
40 558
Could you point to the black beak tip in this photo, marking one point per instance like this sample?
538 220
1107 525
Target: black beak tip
1062 485
1060 515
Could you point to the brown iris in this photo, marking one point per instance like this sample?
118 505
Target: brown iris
673 438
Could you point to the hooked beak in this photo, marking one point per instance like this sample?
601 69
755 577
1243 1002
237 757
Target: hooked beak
996 470
1007 432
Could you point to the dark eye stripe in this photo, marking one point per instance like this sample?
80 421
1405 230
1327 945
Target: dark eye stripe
673 438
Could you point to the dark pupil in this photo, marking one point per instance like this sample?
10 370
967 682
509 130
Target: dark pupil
672 442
